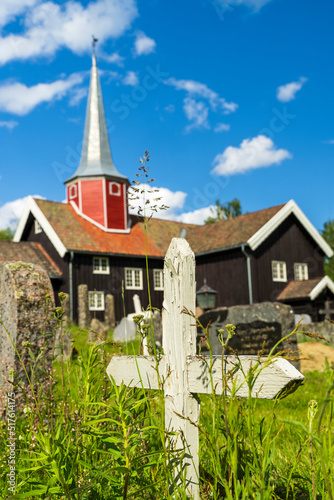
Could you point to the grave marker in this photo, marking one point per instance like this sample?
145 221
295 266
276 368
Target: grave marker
185 374
23 312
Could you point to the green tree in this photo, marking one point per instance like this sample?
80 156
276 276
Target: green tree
223 211
6 234
328 235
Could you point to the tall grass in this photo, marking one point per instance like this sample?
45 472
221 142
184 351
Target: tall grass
86 438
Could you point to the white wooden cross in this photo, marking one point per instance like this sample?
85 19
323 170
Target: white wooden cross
183 373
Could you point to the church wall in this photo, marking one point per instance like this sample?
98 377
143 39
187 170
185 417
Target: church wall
92 200
112 283
225 272
289 243
116 205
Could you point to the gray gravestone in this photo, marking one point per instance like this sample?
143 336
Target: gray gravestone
258 328
83 307
125 331
23 311
97 331
109 316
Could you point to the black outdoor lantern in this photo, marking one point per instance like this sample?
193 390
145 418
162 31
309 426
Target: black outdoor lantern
206 297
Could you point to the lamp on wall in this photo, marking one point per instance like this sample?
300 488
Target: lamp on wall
206 297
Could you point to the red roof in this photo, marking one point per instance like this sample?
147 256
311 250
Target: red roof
27 251
299 289
78 234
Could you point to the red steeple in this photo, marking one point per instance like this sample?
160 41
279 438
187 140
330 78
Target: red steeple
97 191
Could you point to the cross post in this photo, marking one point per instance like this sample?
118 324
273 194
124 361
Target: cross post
184 374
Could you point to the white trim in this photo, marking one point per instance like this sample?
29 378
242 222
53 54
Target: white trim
280 263
325 282
300 268
126 231
161 273
96 293
100 270
80 196
118 184
126 213
38 227
71 196
133 287
291 207
105 203
32 207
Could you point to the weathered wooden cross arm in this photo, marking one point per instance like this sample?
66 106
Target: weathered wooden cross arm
271 378
183 374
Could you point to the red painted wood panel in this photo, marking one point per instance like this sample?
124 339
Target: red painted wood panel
116 205
92 200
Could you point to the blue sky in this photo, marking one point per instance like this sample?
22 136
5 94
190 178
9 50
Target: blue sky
230 98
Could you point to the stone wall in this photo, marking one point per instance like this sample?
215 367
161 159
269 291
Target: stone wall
25 316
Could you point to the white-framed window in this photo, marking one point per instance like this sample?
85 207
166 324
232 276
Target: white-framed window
133 278
38 228
158 279
301 271
101 265
96 301
73 191
278 270
115 189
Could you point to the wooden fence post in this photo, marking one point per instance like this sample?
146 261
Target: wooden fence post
179 341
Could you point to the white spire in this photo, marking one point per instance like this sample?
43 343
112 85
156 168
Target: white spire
96 157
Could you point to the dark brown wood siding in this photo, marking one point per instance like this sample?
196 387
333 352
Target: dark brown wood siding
112 283
225 272
59 285
289 243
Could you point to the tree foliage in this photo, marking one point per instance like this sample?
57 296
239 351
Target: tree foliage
6 234
328 235
223 211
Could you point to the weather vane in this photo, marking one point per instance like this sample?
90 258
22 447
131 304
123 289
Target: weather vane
94 41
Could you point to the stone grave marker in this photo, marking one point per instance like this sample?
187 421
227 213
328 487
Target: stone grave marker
258 328
23 314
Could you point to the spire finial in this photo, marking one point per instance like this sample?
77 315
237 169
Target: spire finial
94 42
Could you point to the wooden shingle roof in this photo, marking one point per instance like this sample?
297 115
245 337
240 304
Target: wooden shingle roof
306 289
30 252
78 234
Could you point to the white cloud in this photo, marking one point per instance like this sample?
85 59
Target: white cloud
198 89
9 9
197 114
173 200
331 141
286 93
170 108
50 26
197 111
113 58
252 153
196 217
222 127
18 99
131 78
11 212
9 124
143 44
254 4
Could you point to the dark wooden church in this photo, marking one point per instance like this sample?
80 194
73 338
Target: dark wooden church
272 254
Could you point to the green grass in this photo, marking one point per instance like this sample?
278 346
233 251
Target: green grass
97 441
